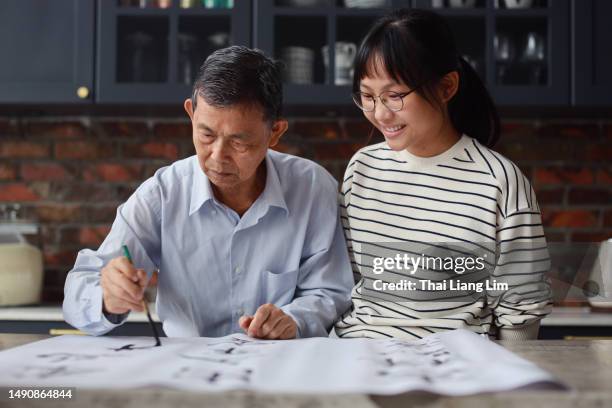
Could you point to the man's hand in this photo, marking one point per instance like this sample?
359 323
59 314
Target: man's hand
122 286
269 323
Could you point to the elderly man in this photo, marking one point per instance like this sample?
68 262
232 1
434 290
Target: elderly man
244 238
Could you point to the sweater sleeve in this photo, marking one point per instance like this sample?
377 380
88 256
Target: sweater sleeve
523 263
344 201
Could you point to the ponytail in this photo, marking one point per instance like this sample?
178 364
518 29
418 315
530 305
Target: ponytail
472 110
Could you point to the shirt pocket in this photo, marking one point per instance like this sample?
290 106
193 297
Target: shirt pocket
279 287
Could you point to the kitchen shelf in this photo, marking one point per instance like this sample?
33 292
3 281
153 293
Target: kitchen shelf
157 66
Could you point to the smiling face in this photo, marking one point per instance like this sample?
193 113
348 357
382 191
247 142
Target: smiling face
231 143
417 125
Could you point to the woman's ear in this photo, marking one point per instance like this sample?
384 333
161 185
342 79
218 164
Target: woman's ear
449 84
279 127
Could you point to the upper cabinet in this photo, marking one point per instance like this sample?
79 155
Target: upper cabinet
592 60
149 51
528 52
47 51
519 47
317 41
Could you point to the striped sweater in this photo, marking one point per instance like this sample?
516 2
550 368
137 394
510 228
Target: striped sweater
468 194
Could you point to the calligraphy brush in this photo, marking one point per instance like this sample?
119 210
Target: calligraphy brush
145 304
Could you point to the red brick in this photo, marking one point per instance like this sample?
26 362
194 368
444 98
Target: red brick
608 132
516 129
596 152
83 150
64 213
590 196
93 235
56 130
17 192
335 151
151 168
550 196
173 131
7 171
591 236
527 150
291 148
7 128
569 218
608 219
122 129
102 213
186 149
83 192
155 150
574 131
41 188
43 171
89 235
604 176
113 172
563 176
60 258
22 150
362 132
329 130
125 190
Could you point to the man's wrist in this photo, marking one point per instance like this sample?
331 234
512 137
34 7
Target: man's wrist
114 318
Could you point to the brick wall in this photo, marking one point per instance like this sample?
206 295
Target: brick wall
70 173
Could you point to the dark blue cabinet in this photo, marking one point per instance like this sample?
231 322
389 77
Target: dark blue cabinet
150 55
521 53
592 60
146 52
47 51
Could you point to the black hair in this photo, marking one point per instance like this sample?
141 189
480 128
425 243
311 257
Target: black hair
417 48
240 75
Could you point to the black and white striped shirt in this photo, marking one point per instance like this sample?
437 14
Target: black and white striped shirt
469 194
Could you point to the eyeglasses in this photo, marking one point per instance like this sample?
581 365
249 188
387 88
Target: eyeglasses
393 101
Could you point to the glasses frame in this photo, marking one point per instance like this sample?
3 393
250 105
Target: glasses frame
402 95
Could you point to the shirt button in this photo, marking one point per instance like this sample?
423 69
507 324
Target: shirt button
239 312
237 270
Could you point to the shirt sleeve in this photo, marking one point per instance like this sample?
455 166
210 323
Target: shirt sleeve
345 199
137 226
325 280
523 263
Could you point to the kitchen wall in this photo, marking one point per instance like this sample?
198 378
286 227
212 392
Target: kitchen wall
71 173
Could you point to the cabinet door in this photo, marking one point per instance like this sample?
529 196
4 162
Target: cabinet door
592 59
530 53
299 34
47 51
149 51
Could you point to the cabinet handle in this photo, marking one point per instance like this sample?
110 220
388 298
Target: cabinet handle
83 92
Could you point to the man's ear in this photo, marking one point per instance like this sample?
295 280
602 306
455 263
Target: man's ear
188 105
449 84
279 127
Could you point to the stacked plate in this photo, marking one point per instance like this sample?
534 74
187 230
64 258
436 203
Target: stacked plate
365 3
299 64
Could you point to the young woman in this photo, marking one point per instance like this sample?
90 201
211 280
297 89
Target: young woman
434 181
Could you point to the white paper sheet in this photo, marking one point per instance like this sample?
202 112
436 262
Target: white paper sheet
452 363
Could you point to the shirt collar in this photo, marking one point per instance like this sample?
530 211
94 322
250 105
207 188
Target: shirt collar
272 196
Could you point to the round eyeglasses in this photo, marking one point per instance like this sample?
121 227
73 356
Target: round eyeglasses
394 101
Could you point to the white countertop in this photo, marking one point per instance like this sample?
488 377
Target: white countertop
53 313
560 316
